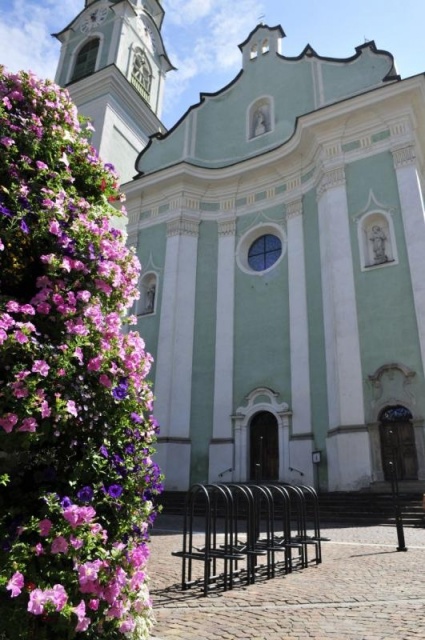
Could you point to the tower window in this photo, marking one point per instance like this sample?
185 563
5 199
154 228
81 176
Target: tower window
141 77
254 52
86 60
265 47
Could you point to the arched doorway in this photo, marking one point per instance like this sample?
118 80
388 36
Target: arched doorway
398 443
264 447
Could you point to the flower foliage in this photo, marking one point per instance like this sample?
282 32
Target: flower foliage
76 430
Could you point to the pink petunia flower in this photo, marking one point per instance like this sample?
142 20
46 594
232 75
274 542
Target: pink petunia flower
8 422
41 367
59 545
58 596
103 379
71 408
15 584
28 424
36 602
80 612
45 526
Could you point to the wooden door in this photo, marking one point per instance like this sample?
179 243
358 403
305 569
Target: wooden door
398 444
264 447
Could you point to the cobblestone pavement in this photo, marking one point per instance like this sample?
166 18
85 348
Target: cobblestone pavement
363 590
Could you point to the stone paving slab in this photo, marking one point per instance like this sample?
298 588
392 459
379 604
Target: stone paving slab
363 590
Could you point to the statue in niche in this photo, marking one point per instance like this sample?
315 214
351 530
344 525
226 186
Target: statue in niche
260 124
378 239
150 299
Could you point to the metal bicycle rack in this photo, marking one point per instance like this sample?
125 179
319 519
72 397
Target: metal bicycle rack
249 532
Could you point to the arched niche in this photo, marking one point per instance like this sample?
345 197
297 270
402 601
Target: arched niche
146 305
376 240
260 117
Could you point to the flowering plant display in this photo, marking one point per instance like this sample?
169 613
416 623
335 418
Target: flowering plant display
77 480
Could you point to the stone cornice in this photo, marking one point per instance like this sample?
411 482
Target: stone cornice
226 228
294 208
330 180
183 226
404 156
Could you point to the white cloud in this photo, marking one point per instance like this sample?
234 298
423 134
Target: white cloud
205 48
187 11
25 34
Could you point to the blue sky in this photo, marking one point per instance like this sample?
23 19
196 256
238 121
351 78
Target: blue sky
202 36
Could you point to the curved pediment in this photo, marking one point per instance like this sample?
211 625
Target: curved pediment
258 110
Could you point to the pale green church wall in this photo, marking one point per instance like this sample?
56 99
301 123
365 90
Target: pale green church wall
202 401
386 313
342 80
262 350
227 114
163 155
220 123
152 244
316 332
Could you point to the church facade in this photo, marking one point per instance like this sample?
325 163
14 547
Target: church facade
280 224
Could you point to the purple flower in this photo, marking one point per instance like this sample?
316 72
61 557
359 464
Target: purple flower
24 226
66 502
136 418
5 211
115 490
85 494
120 391
104 451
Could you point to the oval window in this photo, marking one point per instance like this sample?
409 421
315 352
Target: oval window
264 252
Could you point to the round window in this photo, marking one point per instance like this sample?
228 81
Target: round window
264 252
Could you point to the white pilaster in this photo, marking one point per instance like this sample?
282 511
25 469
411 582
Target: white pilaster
221 447
412 209
343 365
173 380
298 321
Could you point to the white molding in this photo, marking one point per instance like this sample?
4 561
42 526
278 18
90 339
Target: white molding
173 381
413 214
241 421
224 334
343 364
298 321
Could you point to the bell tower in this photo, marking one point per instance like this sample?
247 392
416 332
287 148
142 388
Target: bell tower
113 62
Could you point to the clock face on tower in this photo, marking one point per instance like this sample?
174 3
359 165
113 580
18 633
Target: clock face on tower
94 18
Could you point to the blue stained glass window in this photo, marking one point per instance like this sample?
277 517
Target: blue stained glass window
264 252
395 414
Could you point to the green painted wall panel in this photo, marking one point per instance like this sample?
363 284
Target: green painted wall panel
262 351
